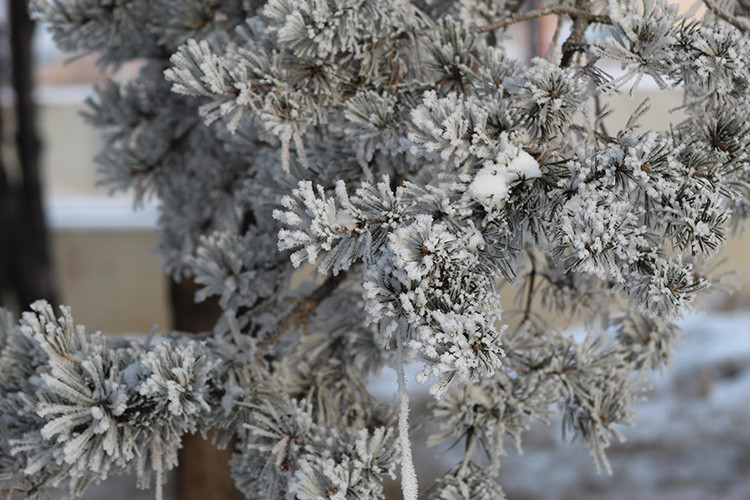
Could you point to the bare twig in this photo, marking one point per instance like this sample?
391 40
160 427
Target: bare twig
604 137
527 16
598 108
518 18
530 291
303 309
550 55
546 11
725 16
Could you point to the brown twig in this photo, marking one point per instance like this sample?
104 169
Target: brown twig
546 11
555 38
525 16
576 41
303 309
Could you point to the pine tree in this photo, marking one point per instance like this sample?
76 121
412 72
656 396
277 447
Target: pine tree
395 145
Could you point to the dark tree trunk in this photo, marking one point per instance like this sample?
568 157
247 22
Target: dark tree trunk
203 473
5 208
27 269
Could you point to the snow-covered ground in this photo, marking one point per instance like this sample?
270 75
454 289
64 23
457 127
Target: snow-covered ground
691 440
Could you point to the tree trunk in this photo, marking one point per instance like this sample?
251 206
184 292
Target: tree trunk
28 269
203 473
5 210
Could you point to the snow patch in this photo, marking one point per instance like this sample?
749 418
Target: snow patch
491 184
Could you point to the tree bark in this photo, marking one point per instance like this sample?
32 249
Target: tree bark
5 207
203 473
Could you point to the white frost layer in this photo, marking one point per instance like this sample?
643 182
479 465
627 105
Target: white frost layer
492 183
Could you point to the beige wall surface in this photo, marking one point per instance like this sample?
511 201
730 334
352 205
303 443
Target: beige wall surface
113 282
111 279
734 291
109 274
69 145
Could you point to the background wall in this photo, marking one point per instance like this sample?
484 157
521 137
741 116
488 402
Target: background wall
107 270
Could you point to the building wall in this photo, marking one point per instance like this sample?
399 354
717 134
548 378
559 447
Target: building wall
106 266
111 279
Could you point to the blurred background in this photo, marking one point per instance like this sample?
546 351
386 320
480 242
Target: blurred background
101 256
691 440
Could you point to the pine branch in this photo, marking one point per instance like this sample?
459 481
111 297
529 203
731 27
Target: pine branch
430 192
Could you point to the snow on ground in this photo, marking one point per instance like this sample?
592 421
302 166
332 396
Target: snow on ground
691 439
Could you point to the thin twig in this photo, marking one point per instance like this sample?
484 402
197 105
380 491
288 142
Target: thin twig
598 109
516 18
550 55
725 16
303 309
533 14
530 291
599 135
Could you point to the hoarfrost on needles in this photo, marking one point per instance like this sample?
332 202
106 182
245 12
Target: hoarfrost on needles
399 148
